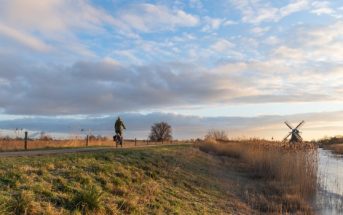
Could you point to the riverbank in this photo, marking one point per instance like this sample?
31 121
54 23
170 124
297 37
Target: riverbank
279 178
335 148
159 180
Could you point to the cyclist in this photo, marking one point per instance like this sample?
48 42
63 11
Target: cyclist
118 127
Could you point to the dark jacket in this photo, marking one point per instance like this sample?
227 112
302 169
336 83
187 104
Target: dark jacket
119 126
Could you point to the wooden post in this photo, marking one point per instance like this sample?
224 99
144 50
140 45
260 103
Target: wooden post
147 142
26 135
87 140
135 141
162 141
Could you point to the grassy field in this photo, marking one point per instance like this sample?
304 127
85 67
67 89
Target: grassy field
179 179
160 180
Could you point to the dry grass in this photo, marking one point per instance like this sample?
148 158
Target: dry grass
285 176
331 140
336 148
154 180
12 144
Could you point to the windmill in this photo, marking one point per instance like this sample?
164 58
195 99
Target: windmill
295 133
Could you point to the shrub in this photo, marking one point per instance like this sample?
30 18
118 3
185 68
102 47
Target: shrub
215 135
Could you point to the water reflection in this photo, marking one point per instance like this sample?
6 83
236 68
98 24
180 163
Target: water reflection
329 199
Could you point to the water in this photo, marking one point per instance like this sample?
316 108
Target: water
329 199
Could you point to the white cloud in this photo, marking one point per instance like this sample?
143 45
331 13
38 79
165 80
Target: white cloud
293 7
150 18
258 31
272 40
60 22
212 24
53 16
322 7
290 53
56 21
24 38
259 11
222 45
229 22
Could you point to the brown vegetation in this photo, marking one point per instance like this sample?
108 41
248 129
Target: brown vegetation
336 148
331 140
281 178
18 144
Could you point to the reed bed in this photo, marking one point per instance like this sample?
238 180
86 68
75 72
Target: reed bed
335 148
285 175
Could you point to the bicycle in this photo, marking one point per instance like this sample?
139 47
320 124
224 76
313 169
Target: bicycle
118 140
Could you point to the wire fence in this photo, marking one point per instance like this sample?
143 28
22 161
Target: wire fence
30 144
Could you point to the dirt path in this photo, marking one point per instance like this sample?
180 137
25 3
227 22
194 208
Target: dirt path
40 152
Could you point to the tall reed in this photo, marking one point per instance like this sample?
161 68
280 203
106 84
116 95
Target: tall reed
287 173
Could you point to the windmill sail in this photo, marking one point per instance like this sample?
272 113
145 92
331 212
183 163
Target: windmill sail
295 134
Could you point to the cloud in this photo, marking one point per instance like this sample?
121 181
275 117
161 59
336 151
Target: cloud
53 16
258 11
222 45
322 7
290 53
211 24
258 31
66 26
317 125
24 38
151 18
107 86
229 22
157 56
313 44
57 23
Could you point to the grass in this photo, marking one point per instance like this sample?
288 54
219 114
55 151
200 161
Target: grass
160 180
232 178
285 176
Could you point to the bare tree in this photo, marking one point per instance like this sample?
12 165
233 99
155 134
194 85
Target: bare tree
160 132
216 135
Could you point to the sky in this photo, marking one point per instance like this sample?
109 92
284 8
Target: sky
243 66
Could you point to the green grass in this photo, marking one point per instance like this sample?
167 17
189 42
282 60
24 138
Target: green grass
159 180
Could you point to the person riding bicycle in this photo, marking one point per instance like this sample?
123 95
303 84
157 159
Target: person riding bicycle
118 127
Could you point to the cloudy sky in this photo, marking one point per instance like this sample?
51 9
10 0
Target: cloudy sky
244 66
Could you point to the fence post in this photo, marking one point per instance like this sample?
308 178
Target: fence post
135 141
25 140
162 141
87 140
147 142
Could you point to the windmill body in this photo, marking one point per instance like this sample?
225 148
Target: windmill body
294 133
